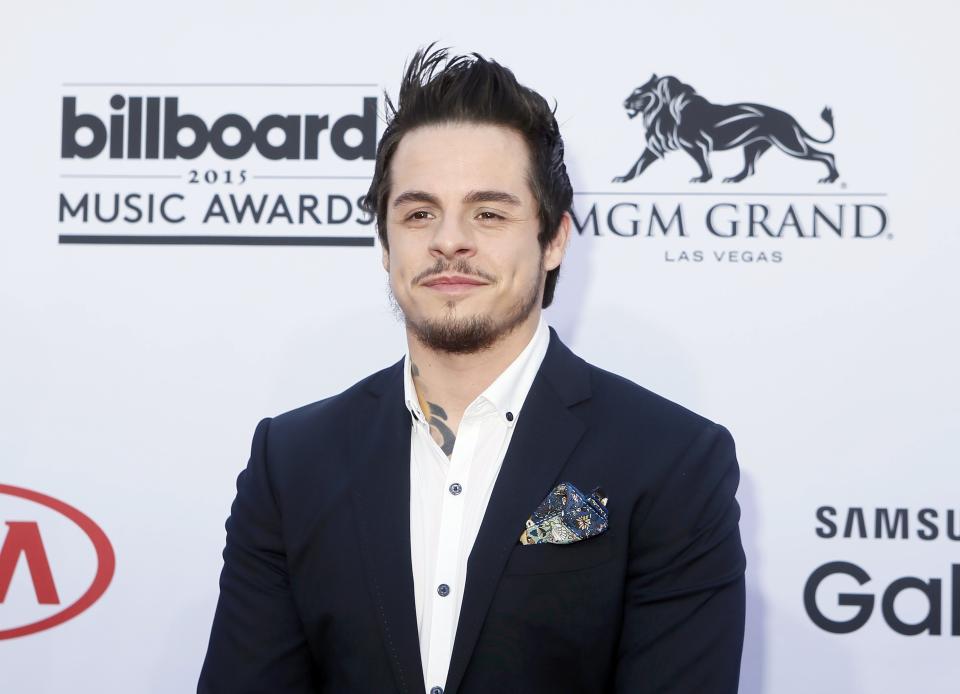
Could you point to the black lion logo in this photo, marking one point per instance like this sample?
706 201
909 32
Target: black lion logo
676 117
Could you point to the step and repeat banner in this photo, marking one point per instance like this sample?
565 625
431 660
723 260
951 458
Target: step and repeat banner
182 252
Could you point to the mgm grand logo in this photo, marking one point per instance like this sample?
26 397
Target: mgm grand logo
675 117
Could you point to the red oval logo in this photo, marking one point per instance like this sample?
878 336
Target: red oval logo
23 538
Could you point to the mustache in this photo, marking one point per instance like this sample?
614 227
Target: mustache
459 267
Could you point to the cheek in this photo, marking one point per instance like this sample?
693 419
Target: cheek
405 264
399 258
522 268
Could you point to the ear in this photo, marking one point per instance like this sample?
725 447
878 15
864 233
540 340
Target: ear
555 250
386 258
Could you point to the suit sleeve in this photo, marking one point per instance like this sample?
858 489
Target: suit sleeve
257 642
683 621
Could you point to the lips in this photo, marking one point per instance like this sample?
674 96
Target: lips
454 283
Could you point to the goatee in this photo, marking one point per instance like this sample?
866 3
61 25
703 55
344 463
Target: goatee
469 334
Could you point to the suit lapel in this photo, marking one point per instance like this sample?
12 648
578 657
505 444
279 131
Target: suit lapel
381 440
546 434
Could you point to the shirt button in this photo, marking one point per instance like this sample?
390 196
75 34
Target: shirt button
443 590
509 416
436 690
455 488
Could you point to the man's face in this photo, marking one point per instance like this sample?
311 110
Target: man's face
464 262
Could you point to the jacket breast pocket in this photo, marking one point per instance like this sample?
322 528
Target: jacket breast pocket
549 558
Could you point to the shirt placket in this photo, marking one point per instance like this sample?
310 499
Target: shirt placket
445 578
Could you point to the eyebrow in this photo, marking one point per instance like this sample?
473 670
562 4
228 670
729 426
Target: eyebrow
473 197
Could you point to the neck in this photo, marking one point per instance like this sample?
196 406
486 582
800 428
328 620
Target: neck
448 383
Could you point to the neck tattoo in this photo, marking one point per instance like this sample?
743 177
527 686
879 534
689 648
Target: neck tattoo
435 414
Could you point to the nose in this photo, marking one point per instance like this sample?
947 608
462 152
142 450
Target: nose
452 239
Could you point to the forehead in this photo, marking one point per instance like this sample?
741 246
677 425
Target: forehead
458 157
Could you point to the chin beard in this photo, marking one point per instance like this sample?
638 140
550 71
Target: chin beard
469 334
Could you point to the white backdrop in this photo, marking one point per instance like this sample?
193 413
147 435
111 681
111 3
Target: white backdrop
131 376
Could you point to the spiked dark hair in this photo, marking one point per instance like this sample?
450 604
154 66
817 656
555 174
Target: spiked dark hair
476 90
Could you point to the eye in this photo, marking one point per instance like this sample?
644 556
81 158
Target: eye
489 216
419 215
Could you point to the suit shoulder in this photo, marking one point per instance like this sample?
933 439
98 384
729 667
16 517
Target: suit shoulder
623 401
333 410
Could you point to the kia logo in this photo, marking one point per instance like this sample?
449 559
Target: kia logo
24 539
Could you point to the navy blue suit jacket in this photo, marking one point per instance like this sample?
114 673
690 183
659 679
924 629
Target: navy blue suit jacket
316 593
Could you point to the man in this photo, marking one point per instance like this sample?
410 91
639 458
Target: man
491 513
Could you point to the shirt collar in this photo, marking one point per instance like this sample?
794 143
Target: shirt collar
410 393
507 393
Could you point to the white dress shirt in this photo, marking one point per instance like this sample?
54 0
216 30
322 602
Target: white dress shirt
448 497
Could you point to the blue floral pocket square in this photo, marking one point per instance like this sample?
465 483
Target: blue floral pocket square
567 515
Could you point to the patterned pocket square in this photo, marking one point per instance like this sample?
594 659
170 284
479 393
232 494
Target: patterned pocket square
567 515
